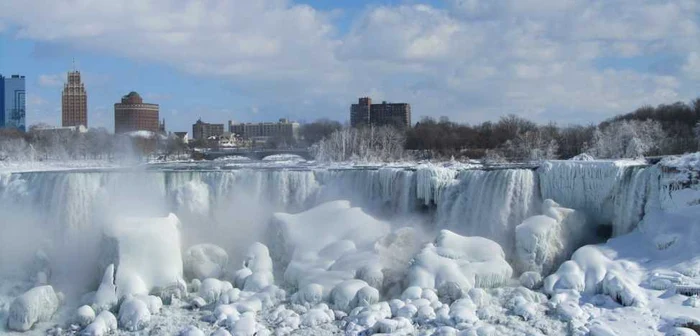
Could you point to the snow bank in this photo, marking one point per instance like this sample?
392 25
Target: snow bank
36 305
204 261
543 242
147 252
464 262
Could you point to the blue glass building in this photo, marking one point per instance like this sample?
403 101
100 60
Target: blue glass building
13 105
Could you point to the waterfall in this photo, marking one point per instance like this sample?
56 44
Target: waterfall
487 203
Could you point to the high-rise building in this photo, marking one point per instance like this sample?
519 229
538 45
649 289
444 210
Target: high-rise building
74 101
265 130
366 113
13 102
202 130
132 114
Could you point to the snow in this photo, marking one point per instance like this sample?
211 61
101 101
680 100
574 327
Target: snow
84 316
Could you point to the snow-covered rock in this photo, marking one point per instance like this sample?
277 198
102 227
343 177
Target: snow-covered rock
462 261
259 263
36 305
147 252
204 261
211 289
191 331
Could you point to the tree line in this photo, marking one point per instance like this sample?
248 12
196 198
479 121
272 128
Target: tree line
647 131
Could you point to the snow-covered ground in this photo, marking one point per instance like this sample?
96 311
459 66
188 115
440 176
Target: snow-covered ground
579 247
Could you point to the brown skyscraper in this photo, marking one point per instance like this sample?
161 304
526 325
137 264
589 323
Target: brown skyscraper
132 114
74 101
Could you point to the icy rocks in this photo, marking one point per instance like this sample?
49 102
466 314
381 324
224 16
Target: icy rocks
204 261
464 261
147 252
36 305
211 289
104 323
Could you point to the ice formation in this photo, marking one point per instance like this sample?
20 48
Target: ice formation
147 254
466 262
544 241
36 305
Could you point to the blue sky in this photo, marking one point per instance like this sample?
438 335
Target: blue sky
470 60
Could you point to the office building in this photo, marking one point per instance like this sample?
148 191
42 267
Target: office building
13 102
203 131
384 114
132 114
74 102
283 129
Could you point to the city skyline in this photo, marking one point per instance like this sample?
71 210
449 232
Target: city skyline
543 61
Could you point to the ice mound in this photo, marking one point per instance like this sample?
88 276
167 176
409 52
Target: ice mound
84 315
106 296
463 262
147 254
591 271
544 241
204 261
328 245
36 305
257 269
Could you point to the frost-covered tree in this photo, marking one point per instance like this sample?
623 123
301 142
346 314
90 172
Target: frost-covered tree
697 129
532 145
627 139
363 144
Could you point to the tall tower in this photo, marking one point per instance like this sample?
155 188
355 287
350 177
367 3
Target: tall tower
74 101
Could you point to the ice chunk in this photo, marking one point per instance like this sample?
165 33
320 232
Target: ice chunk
258 261
204 261
84 315
343 294
134 314
104 323
36 305
465 261
531 280
147 252
211 289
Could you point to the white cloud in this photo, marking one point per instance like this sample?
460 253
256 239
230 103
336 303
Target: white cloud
50 80
692 65
473 60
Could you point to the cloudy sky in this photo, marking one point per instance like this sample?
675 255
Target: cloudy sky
569 61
